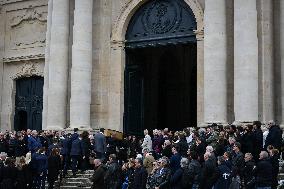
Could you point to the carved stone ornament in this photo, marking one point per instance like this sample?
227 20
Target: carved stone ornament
161 22
27 29
29 69
130 7
31 14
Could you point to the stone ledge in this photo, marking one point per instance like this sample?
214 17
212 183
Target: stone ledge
21 58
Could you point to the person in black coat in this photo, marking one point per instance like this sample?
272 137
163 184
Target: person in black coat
275 167
66 144
134 147
274 136
3 143
222 175
98 176
175 159
183 146
176 179
53 145
8 174
258 139
140 175
40 165
207 173
247 140
86 145
167 149
20 147
24 175
237 160
54 166
111 144
248 171
128 174
77 154
113 173
199 147
263 171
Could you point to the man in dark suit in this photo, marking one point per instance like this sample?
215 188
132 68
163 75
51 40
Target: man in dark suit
99 174
77 154
140 175
100 144
66 144
75 135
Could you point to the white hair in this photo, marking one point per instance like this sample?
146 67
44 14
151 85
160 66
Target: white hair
209 149
183 162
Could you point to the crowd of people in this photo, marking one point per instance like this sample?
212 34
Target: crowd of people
215 157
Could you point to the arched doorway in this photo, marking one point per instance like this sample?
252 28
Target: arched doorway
28 103
160 83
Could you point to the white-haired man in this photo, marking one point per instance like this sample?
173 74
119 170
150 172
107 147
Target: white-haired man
263 172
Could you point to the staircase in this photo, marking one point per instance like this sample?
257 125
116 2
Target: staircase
81 180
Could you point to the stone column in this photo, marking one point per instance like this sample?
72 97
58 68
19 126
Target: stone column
46 64
58 66
282 59
266 61
215 60
245 61
81 65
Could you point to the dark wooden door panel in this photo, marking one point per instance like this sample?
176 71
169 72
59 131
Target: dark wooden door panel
28 103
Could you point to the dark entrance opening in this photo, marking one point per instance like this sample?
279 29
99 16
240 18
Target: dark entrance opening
28 104
161 72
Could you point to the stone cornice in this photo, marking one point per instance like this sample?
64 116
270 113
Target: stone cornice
22 58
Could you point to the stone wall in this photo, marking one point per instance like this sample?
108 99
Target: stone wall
22 47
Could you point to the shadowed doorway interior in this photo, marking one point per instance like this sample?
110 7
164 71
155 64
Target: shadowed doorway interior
160 78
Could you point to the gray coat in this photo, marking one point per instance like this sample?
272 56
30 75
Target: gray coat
100 143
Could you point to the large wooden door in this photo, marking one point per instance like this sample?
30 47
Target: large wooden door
28 103
133 97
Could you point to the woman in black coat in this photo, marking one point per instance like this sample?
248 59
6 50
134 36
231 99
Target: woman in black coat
54 166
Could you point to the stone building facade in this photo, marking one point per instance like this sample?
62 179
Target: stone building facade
65 63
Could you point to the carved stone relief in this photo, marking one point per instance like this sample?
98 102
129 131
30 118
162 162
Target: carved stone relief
28 69
25 32
27 28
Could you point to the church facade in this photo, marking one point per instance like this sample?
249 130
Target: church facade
128 65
